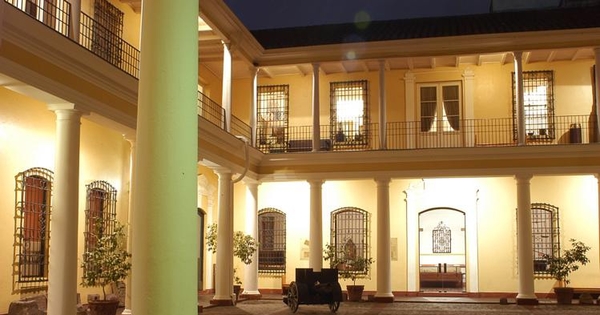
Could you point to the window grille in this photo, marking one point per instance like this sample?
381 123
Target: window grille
349 112
538 103
350 234
33 194
107 32
272 116
100 213
545 230
272 241
442 239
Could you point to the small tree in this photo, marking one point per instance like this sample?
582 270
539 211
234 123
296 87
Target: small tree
348 267
108 261
244 246
560 267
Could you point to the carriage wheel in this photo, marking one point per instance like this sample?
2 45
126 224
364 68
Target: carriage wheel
292 299
333 306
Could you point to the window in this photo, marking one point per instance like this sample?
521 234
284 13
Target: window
272 240
350 233
545 230
439 107
273 107
108 31
33 192
349 112
100 213
538 103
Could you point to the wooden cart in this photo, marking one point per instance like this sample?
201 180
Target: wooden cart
314 287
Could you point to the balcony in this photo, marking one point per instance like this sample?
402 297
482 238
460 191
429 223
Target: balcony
93 36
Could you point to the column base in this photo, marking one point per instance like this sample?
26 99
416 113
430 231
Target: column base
527 301
228 302
126 312
383 299
253 295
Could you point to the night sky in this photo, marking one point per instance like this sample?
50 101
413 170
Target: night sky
265 14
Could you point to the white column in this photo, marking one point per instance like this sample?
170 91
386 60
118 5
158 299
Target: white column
411 127
63 266
224 265
75 20
254 109
315 255
520 97
226 95
251 270
384 255
316 137
131 140
469 115
597 89
382 107
526 294
164 217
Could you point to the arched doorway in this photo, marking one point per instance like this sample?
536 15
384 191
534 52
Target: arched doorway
442 251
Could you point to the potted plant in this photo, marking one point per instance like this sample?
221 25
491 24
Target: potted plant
561 267
244 247
350 267
105 263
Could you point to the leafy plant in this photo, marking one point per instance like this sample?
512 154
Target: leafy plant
561 267
244 246
349 267
108 260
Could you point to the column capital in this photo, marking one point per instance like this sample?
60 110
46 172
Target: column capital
56 107
517 54
382 180
315 182
468 74
251 181
597 51
409 76
523 177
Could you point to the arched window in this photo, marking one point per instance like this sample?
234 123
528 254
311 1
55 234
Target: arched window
350 233
546 232
100 212
33 192
272 240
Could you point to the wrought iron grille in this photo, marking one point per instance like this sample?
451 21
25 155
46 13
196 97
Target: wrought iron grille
100 213
441 239
349 113
538 103
211 110
272 241
350 234
273 102
107 32
546 235
33 192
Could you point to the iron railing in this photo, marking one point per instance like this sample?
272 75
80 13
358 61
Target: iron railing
93 36
240 128
493 132
109 46
211 111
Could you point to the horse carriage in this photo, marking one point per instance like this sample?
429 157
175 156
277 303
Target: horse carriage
314 287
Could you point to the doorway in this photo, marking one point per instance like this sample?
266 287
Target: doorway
442 251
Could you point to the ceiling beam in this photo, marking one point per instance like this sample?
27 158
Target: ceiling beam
576 55
551 56
410 64
432 62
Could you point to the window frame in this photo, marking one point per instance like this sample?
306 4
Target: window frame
341 237
102 220
272 260
545 130
539 231
25 215
344 133
272 115
445 124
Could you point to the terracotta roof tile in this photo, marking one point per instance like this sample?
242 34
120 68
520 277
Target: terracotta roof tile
490 23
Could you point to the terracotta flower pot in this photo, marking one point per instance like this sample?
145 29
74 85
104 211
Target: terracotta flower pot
103 307
564 295
355 292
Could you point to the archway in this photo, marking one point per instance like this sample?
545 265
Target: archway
442 251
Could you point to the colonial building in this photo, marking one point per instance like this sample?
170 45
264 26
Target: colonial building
456 152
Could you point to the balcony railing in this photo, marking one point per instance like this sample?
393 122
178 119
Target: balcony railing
573 129
93 36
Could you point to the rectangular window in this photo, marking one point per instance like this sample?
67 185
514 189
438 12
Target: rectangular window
440 107
273 107
349 112
538 104
107 32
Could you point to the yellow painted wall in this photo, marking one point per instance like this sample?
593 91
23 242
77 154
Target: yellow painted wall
27 139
